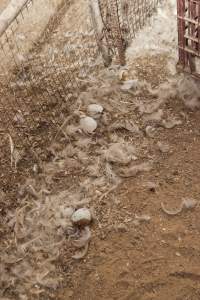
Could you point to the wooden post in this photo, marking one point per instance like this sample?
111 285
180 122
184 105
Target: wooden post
99 27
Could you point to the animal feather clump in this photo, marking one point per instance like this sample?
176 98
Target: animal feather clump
120 153
189 92
40 228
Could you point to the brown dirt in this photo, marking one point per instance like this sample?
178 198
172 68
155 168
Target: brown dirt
155 260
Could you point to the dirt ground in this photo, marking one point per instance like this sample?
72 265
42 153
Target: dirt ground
156 259
137 251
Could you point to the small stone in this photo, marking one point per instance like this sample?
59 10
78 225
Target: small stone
81 217
88 124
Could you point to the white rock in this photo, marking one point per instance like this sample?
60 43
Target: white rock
95 109
88 124
81 216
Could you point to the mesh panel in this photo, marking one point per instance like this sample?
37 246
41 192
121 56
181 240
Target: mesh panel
46 50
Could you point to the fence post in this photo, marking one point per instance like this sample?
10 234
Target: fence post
97 22
116 30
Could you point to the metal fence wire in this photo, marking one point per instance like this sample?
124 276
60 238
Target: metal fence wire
41 66
122 19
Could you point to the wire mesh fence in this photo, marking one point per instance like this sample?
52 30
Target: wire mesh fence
40 68
45 52
189 35
122 19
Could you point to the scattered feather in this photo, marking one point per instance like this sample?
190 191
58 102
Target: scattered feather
143 218
189 92
150 108
84 239
154 117
172 212
123 75
133 171
125 124
150 131
70 130
129 84
111 175
11 150
81 253
171 123
164 148
120 153
186 204
189 203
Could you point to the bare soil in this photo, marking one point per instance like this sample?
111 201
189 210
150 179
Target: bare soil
158 259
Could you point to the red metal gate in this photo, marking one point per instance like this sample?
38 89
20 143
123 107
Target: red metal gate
189 36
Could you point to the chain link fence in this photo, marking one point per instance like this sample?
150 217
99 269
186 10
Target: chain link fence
46 50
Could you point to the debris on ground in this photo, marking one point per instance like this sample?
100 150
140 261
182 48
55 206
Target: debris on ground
112 135
186 204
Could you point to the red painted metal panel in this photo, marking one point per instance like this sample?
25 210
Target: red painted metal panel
188 12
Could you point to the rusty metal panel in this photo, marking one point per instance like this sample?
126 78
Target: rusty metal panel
188 12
